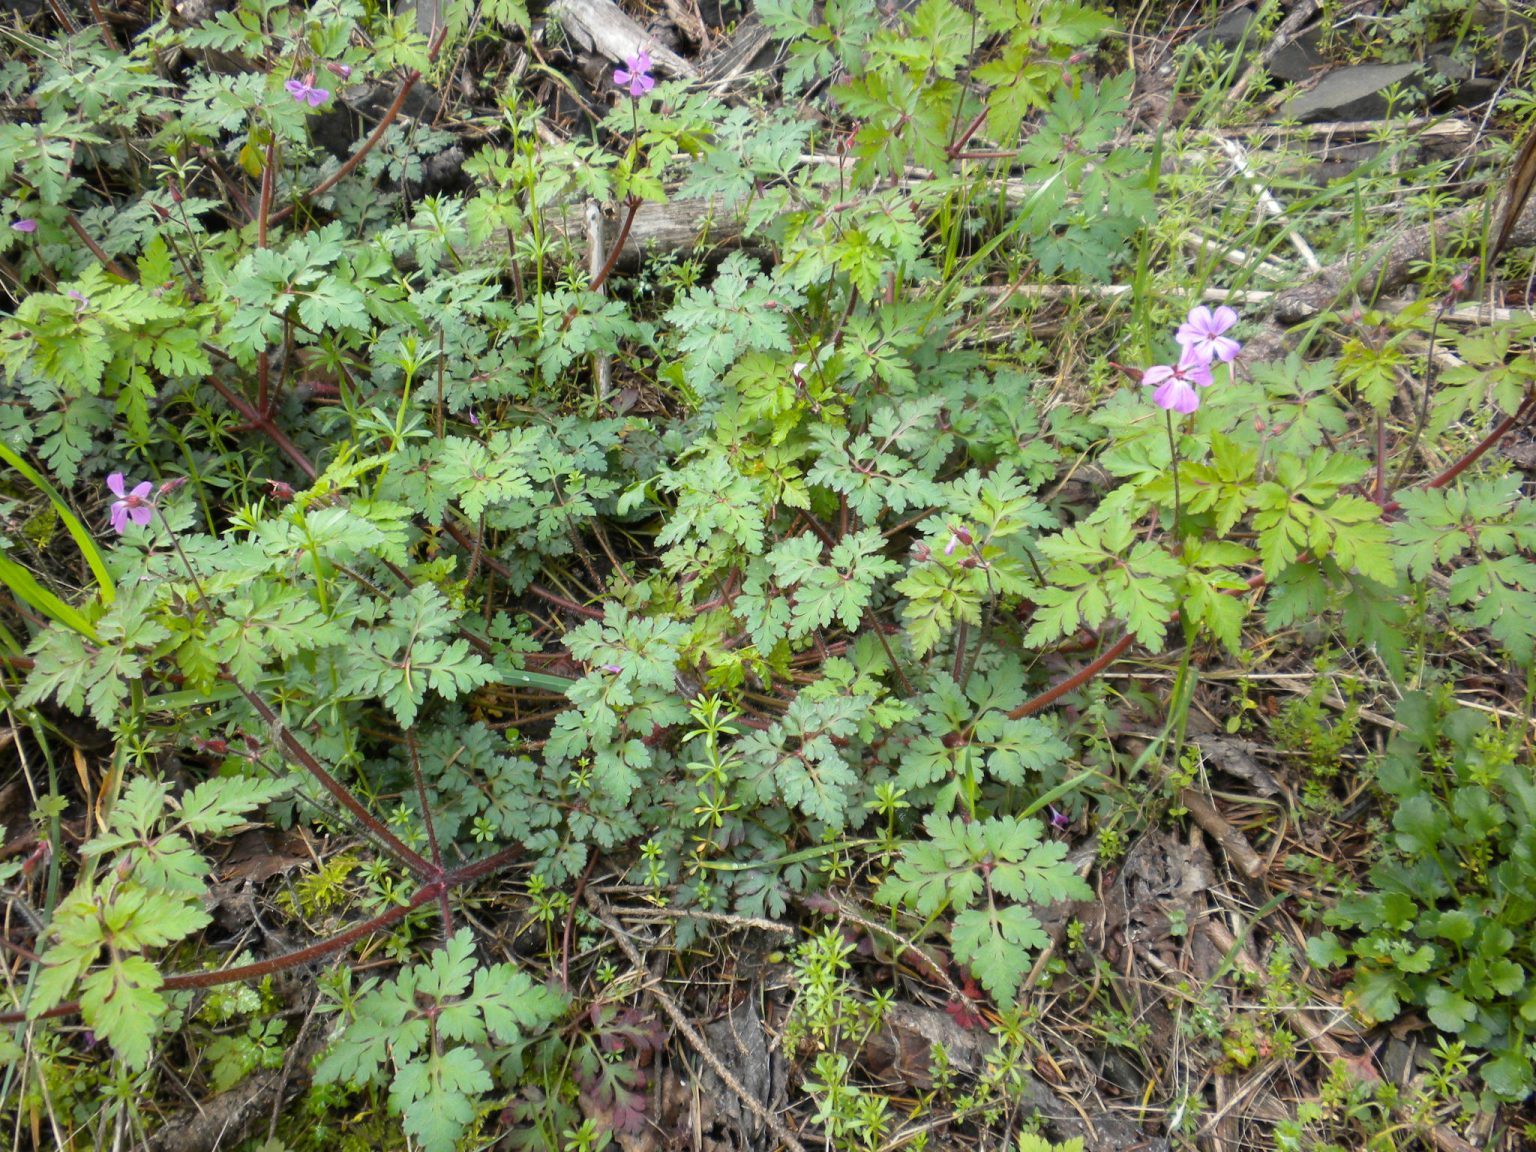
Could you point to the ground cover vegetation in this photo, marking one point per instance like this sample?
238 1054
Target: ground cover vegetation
879 577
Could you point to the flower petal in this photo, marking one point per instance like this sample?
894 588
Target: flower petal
317 96
119 518
115 484
143 514
142 491
1157 374
1224 318
1177 396
1225 349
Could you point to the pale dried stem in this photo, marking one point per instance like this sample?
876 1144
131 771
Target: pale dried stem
1239 158
691 1034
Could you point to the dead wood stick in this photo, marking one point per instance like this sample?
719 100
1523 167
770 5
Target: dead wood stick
1315 1034
1390 263
600 26
1232 842
753 1105
1311 1031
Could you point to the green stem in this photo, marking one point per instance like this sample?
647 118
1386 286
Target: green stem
1173 456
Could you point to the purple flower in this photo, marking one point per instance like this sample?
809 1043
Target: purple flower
613 668
1202 331
305 91
27 225
1058 819
128 506
1176 384
342 70
636 73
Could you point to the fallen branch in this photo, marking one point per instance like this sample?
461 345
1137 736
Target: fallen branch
1391 263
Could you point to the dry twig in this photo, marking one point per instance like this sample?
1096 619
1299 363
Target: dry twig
668 1005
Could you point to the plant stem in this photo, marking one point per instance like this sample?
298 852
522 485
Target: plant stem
1173 458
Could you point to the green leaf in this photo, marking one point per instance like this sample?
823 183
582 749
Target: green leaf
998 944
90 552
1326 951
123 1004
1448 1009
436 1096
1377 995
216 806
1509 1076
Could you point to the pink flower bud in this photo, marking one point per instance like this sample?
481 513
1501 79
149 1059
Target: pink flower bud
172 484
280 491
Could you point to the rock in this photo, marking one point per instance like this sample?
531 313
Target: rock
1355 92
1238 30
1299 60
1230 31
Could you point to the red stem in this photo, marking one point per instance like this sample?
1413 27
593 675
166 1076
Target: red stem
1117 649
425 895
965 137
339 792
374 137
633 206
97 250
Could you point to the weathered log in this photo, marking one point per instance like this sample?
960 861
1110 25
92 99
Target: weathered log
599 26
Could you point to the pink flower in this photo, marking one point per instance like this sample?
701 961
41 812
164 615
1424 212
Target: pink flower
958 534
1176 384
305 91
135 505
1202 331
27 225
636 73
342 70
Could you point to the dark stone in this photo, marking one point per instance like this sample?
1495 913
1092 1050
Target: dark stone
1509 34
1238 30
1299 60
1449 67
1354 92
1230 31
